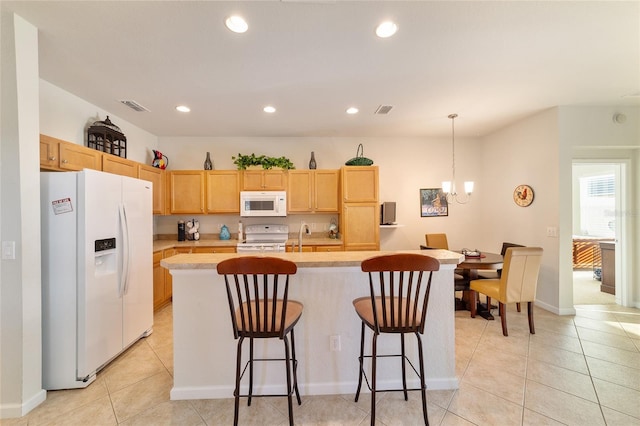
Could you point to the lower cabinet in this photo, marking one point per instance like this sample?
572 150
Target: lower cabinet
213 250
166 291
316 248
159 298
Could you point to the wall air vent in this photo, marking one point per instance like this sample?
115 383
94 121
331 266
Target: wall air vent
383 109
134 105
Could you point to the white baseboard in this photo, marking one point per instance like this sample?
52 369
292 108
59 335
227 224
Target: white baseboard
14 410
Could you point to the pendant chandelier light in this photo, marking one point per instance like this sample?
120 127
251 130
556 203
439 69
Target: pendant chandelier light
449 187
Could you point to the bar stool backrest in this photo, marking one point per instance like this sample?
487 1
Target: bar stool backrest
399 290
258 294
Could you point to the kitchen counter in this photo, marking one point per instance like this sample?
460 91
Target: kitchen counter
326 283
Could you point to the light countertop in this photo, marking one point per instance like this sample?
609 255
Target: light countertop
302 260
163 244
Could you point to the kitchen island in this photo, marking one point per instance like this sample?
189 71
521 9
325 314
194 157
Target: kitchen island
327 336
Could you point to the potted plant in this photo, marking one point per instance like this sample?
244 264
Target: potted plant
243 162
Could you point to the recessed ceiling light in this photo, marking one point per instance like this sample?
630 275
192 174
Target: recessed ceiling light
352 110
183 108
386 29
237 24
269 109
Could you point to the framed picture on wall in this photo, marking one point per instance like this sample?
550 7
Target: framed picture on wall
433 203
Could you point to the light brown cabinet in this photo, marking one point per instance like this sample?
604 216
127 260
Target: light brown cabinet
159 298
311 191
360 211
119 166
49 153
157 177
168 280
213 250
56 154
264 180
223 191
316 248
186 192
359 184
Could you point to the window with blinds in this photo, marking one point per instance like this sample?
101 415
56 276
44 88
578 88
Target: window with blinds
597 205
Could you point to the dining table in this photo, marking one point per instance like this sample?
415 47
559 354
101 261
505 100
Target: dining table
470 267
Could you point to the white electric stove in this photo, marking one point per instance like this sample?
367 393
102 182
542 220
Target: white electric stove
264 238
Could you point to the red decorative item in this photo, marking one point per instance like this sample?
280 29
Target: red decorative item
160 160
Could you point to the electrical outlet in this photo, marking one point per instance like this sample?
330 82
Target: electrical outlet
314 226
552 231
334 343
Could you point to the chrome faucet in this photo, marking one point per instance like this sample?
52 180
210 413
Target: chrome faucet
305 227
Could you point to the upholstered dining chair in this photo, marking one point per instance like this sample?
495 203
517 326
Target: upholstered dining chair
258 296
399 287
489 274
436 241
518 283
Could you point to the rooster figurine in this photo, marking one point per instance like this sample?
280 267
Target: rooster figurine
160 160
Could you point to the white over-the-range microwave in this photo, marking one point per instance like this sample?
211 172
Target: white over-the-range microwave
263 203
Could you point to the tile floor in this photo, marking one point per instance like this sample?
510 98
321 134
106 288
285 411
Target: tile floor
582 370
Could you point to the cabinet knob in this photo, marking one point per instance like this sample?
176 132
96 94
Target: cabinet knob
64 161
52 158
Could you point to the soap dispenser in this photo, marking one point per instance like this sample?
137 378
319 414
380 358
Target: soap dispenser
224 233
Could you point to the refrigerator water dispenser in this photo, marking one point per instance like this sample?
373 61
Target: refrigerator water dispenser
105 257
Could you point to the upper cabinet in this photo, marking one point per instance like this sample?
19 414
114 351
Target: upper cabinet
223 191
359 184
264 180
313 191
56 154
186 192
157 177
119 166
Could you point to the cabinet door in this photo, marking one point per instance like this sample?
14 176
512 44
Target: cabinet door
49 148
225 249
326 185
328 248
359 184
119 166
300 191
187 192
168 281
360 226
155 176
264 180
275 180
159 298
78 157
223 191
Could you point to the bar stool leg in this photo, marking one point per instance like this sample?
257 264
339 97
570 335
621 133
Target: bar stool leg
404 368
295 367
289 385
236 393
374 352
423 384
250 370
361 361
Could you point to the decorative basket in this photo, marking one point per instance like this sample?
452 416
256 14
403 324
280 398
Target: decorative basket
359 159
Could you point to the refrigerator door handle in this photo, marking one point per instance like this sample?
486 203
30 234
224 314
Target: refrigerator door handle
124 283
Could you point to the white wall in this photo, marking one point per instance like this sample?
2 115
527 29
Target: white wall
20 319
406 165
66 116
523 153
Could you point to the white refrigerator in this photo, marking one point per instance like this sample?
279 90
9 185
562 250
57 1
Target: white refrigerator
97 272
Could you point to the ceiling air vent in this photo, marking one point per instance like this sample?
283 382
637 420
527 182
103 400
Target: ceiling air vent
134 105
383 109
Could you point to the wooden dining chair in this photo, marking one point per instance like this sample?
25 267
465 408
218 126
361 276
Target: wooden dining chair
517 283
258 296
399 287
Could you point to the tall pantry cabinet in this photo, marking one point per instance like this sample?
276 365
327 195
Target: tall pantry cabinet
360 218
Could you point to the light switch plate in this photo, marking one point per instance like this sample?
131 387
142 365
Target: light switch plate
9 250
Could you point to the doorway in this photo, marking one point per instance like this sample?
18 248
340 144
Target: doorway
598 232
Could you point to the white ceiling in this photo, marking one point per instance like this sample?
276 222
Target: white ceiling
490 62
